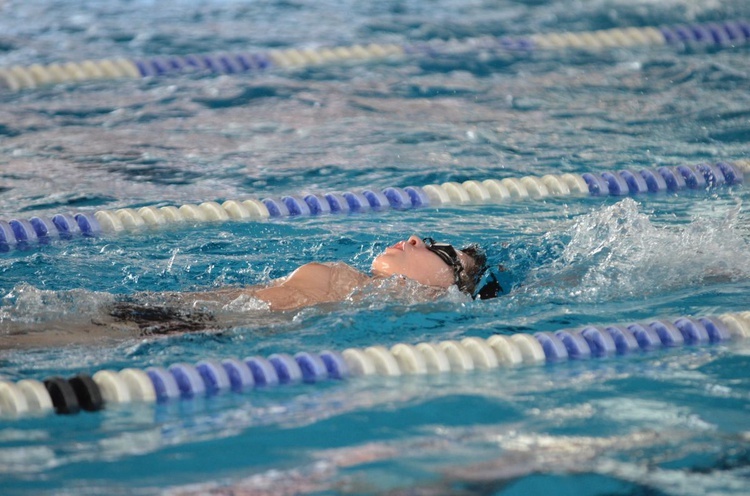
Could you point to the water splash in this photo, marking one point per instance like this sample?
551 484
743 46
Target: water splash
28 304
620 251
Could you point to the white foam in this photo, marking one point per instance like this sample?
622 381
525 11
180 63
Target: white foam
620 251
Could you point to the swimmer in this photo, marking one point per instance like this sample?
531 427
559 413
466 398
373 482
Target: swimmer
434 266
438 265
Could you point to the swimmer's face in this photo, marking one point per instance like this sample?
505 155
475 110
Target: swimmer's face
412 259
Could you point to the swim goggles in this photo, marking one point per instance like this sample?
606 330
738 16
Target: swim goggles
448 255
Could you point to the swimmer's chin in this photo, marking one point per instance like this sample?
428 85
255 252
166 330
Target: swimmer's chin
379 272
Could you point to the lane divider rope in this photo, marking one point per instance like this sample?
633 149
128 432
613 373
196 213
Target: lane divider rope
23 233
720 34
212 377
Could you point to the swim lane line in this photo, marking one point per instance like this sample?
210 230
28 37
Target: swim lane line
718 34
23 233
211 377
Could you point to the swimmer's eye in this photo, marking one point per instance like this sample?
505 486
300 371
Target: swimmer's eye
448 255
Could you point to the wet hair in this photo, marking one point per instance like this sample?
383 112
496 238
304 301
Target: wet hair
471 276
481 281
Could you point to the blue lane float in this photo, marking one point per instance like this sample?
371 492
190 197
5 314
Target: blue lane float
189 381
693 332
211 377
668 333
164 384
723 34
239 374
600 342
264 373
312 366
576 346
287 369
624 340
654 180
214 375
554 348
318 205
646 337
335 365
40 230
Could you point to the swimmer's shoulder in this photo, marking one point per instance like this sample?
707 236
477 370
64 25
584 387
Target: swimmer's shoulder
324 276
311 284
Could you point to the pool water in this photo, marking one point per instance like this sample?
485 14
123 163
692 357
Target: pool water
672 421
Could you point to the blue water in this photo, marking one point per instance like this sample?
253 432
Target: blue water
669 422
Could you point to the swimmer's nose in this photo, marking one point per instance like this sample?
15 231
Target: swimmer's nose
415 241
